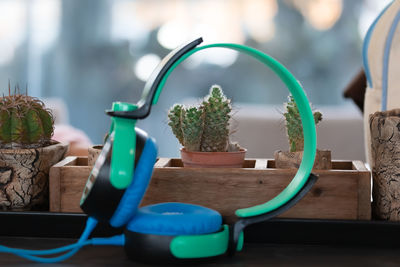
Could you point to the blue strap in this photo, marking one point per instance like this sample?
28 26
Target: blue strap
386 55
367 40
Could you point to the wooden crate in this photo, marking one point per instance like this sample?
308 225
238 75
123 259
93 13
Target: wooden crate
67 179
341 193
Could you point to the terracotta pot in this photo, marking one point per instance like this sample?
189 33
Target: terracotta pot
93 153
213 159
24 176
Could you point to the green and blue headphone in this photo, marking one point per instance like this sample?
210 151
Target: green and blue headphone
171 232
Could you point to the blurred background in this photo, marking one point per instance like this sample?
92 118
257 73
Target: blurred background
89 53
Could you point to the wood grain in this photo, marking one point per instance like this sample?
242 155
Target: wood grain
67 181
334 196
338 194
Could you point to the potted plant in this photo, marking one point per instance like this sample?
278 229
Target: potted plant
294 130
203 131
26 152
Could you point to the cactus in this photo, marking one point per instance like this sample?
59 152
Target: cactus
294 126
24 122
216 121
206 127
174 117
192 120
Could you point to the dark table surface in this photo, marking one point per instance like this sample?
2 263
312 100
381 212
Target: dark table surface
252 255
278 242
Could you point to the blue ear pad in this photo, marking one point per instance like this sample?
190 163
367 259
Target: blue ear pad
175 219
130 201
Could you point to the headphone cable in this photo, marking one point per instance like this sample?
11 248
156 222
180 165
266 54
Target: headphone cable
91 223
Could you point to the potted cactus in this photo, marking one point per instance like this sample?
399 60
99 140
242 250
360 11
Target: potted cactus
26 152
294 130
204 133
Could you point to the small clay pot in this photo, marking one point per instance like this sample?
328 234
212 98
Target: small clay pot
93 153
292 160
213 159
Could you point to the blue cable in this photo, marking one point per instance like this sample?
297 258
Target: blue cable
118 240
5 249
115 241
91 223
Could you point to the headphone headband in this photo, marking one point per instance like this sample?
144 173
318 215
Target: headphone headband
306 117
159 77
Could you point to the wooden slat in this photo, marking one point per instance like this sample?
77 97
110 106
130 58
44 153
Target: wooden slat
261 164
333 197
54 188
163 162
359 166
72 184
55 193
66 183
342 165
364 191
68 161
81 161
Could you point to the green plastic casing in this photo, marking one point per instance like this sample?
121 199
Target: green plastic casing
307 119
124 146
203 246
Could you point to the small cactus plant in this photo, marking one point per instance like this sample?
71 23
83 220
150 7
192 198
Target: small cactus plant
217 109
206 127
24 122
294 126
192 127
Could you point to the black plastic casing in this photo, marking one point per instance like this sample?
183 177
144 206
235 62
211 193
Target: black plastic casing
103 198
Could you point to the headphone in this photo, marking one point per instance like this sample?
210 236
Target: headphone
172 232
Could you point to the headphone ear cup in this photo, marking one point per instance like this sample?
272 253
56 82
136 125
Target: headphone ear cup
150 235
174 219
133 195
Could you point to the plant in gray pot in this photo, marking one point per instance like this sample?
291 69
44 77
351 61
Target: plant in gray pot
203 131
294 129
26 152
